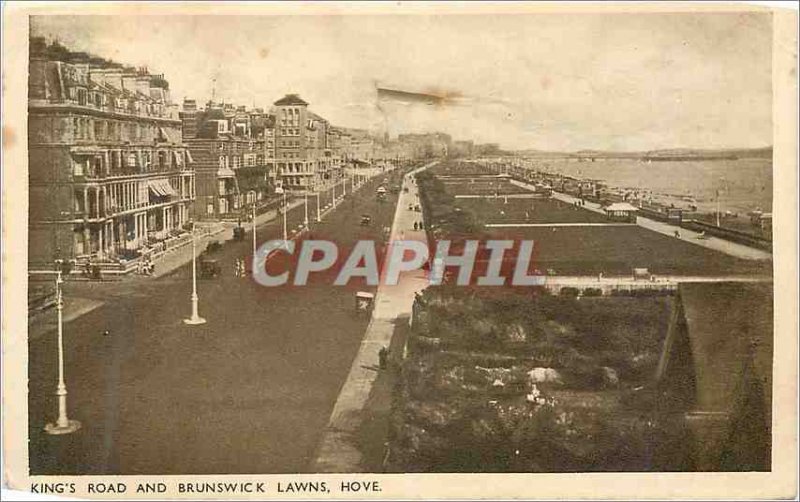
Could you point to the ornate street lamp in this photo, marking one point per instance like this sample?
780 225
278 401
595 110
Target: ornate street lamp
195 319
63 425
255 246
305 220
285 210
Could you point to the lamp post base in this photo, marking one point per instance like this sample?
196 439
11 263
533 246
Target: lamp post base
194 320
57 430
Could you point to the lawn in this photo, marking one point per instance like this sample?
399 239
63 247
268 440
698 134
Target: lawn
459 168
611 250
616 250
529 211
482 186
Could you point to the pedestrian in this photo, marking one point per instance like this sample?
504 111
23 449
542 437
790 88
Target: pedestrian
236 268
105 333
383 356
415 225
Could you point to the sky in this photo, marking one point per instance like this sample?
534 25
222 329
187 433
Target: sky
545 81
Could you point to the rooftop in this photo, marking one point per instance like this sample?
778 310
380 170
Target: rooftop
621 206
291 99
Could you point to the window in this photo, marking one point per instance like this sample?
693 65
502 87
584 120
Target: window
78 168
81 96
97 165
76 128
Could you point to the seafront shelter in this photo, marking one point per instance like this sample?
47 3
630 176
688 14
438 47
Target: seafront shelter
621 211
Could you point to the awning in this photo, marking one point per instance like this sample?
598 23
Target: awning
226 173
161 188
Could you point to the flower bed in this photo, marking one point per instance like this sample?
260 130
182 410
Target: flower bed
522 384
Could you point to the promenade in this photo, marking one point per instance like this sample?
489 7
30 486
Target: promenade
339 449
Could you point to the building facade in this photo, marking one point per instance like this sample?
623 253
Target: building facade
109 173
308 149
232 148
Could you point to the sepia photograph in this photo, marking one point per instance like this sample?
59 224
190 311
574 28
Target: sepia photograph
403 240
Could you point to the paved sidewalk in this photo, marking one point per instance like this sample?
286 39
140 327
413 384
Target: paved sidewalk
46 322
221 231
338 450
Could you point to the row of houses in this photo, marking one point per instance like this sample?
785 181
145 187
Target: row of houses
108 169
116 168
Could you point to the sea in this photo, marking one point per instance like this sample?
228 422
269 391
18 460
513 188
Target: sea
743 184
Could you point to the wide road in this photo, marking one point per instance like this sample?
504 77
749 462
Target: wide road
248 392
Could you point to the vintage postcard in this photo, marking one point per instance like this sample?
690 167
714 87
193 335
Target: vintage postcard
400 250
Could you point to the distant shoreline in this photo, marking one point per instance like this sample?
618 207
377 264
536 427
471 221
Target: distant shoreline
675 155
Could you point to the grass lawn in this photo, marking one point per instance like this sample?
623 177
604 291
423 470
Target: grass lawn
611 250
456 168
529 211
616 250
482 186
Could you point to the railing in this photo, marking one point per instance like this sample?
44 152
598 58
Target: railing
729 234
109 108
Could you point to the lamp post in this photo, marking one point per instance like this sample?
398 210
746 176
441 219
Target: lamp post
195 319
63 425
333 193
255 246
305 218
285 229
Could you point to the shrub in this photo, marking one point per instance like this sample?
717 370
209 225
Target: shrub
569 292
592 292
